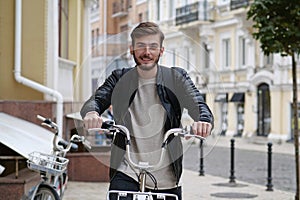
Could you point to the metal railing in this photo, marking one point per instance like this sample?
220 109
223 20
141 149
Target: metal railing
198 11
235 4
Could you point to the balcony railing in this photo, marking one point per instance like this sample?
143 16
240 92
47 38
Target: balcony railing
120 9
192 12
235 4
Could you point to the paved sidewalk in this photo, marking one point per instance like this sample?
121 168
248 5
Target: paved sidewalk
204 187
194 187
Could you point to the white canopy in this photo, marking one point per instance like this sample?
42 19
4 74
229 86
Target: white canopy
24 137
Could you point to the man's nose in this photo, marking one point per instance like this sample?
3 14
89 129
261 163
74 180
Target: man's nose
147 50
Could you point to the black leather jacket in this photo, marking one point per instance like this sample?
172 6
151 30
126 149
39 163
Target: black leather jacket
175 90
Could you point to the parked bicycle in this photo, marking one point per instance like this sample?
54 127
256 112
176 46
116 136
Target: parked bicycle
143 167
52 167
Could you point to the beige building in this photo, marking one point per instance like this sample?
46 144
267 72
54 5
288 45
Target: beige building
43 46
249 93
43 49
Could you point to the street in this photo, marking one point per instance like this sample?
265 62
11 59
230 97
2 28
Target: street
250 165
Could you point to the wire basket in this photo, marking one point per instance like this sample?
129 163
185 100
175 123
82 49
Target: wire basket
48 163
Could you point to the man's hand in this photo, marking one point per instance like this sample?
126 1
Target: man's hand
92 120
201 128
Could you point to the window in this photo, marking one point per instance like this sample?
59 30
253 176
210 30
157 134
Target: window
226 52
129 3
63 29
140 17
268 60
242 51
206 56
240 119
171 9
93 38
158 10
97 41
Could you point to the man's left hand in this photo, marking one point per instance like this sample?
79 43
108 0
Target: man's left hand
202 128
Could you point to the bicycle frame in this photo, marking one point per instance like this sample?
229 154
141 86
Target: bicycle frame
53 167
143 167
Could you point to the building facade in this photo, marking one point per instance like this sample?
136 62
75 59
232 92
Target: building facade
250 93
43 44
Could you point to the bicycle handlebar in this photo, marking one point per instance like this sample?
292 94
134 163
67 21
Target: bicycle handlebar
64 148
119 129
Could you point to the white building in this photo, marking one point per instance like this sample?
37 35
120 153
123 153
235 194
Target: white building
250 94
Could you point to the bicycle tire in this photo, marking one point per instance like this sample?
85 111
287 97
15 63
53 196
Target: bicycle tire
45 192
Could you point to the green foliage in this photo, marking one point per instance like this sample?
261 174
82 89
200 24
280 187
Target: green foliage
276 25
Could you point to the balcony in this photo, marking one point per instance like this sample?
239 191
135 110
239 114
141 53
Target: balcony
235 4
193 12
120 9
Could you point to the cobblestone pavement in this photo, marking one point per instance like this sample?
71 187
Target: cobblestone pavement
250 162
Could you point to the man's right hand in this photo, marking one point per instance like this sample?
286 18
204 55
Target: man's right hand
92 120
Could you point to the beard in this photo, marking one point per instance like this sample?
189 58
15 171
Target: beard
146 67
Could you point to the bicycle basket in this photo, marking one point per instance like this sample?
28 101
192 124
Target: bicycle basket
51 164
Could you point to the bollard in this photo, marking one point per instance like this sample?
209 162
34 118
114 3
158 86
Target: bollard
201 171
269 179
232 177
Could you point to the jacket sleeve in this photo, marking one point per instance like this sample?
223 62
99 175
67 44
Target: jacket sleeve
191 98
101 99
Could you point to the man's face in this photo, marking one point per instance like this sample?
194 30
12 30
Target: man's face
147 51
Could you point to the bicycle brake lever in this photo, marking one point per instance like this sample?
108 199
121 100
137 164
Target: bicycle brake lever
196 136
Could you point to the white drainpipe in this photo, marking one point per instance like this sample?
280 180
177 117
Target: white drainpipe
25 81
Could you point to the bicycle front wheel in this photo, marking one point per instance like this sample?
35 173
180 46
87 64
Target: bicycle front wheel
45 192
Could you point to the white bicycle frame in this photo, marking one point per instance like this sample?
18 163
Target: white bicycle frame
143 167
52 167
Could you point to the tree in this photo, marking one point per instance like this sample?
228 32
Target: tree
276 25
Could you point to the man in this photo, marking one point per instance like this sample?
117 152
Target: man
148 99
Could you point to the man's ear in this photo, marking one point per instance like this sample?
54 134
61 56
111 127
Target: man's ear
131 49
161 51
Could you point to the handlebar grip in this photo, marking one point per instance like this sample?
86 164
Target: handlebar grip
107 124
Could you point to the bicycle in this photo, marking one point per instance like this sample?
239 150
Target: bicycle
143 167
52 167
